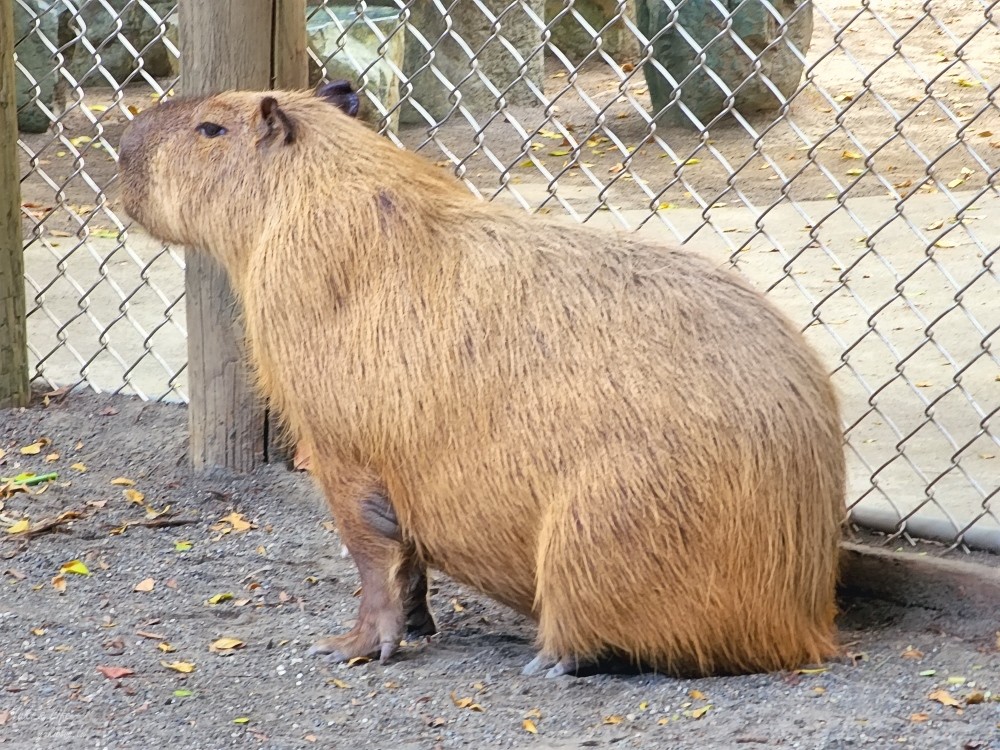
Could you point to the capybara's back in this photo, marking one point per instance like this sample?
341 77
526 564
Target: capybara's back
615 438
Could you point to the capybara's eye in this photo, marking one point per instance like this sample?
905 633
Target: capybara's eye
211 130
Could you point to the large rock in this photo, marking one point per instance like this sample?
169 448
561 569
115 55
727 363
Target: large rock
101 23
38 87
702 21
492 57
576 42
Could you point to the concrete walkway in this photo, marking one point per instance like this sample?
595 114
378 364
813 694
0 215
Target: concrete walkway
915 404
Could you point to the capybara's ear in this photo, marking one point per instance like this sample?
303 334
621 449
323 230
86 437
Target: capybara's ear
341 95
275 120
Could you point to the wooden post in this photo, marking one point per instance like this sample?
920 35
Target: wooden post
230 44
13 332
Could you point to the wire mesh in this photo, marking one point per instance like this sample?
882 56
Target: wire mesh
842 155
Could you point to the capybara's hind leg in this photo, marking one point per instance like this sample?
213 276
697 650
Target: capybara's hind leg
413 582
369 528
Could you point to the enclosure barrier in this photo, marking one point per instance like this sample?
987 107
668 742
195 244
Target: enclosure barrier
842 155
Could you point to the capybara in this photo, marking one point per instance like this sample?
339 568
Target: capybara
612 437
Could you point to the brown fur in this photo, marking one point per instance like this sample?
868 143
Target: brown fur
614 438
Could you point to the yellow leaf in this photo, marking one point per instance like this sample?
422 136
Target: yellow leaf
97 108
924 384
38 631
340 684
74 566
944 698
919 718
560 152
241 720
18 527
166 648
134 110
665 206
912 653
52 457
237 521
79 467
81 140
456 606
219 598
535 713
697 713
527 163
145 585
123 482
184 667
34 449
529 726
956 182
134 496
965 83
225 644
850 155
613 719
59 583
664 721
697 695
854 172
985 133
691 162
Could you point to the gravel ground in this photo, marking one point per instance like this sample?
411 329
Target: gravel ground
91 660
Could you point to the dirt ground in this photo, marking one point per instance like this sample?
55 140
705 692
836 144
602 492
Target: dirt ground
91 659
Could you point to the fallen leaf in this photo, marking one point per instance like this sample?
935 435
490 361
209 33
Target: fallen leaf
115 673
919 718
19 527
456 606
150 635
166 648
927 673
529 726
59 583
912 653
697 695
340 684
850 155
241 720
698 712
123 482
52 457
182 693
183 546
35 448
78 467
613 719
956 680
465 703
184 667
237 521
219 598
225 644
145 585
976 696
74 566
944 697
134 496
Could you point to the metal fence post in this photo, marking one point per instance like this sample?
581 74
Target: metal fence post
229 44
13 333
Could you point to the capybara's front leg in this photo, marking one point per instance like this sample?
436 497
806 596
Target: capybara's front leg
369 528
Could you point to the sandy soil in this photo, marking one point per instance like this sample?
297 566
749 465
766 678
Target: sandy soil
289 585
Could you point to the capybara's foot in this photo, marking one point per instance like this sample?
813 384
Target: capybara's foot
363 642
576 667
552 666
420 622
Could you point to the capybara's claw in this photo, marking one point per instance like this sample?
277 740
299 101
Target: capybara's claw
566 666
341 648
540 663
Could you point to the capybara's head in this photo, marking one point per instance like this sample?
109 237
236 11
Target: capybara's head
200 171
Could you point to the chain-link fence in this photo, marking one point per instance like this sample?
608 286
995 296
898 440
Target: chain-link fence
844 156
